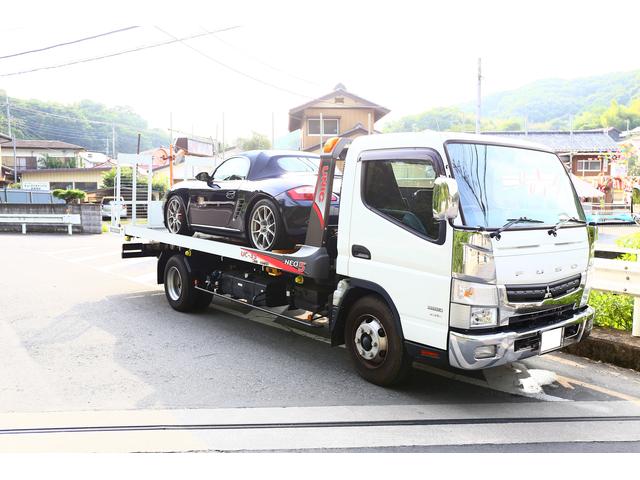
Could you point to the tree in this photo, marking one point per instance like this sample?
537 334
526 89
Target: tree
55 162
126 178
69 196
256 141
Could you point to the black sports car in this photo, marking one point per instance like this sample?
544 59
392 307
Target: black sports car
263 197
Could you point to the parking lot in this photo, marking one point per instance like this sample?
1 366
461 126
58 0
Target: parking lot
88 340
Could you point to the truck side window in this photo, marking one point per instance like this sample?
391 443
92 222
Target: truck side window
402 190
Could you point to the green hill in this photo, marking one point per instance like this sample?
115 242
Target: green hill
86 123
546 104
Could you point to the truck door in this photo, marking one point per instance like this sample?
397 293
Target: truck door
215 206
396 243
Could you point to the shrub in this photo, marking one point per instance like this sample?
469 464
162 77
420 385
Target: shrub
69 196
612 310
629 241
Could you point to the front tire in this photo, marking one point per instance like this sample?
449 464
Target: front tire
179 288
375 342
265 228
175 216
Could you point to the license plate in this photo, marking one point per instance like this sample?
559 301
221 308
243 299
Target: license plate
551 340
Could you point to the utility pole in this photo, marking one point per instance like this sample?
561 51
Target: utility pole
113 141
273 131
223 147
478 108
13 141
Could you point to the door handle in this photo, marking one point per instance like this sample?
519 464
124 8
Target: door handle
359 251
231 195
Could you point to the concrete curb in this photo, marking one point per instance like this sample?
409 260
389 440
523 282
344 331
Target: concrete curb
610 346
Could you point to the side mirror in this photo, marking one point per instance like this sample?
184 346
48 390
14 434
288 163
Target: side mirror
445 198
203 177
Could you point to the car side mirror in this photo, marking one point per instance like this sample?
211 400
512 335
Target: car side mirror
445 198
204 177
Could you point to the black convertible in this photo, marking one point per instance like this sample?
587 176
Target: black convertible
263 197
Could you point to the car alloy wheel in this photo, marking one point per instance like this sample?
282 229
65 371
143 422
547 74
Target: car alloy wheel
174 215
263 227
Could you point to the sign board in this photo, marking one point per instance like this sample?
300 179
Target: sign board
34 186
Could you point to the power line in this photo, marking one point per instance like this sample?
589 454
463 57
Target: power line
69 43
262 62
116 54
229 67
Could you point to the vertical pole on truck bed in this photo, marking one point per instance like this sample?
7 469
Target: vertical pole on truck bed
321 206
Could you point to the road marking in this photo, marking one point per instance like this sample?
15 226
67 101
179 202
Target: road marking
93 257
597 388
128 263
564 361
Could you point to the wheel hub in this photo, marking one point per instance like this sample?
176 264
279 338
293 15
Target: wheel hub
371 339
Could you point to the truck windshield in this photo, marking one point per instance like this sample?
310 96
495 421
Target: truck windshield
499 183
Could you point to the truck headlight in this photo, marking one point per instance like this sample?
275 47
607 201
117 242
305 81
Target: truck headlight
471 293
483 317
468 317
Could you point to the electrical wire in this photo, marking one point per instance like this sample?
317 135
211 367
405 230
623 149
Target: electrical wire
262 62
233 69
116 54
69 43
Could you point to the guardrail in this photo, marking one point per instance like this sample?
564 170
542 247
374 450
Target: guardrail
24 219
619 276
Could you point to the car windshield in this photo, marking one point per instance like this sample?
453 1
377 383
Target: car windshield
299 164
499 183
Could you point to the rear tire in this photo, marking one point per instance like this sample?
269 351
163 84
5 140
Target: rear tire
179 289
265 228
175 216
375 342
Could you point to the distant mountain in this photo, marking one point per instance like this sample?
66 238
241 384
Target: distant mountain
546 104
549 99
87 124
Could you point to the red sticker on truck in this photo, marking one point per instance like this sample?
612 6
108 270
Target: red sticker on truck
287 264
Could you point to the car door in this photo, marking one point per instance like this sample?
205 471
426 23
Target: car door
395 242
214 207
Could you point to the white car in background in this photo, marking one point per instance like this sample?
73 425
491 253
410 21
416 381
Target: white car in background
107 205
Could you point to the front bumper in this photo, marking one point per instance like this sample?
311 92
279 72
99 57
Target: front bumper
514 345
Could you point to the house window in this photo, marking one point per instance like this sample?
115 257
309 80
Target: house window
331 126
339 100
589 165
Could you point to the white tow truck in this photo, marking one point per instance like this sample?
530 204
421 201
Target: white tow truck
459 250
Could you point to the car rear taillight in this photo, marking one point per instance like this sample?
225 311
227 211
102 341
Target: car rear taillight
305 192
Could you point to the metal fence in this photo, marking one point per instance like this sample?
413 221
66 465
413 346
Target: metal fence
136 202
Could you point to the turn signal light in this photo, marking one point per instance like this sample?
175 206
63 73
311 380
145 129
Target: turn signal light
305 193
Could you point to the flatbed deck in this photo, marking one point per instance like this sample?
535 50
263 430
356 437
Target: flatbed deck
308 261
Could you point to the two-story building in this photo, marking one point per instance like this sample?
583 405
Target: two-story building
30 154
339 113
6 174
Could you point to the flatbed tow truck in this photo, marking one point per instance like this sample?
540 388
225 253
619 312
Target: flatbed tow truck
438 256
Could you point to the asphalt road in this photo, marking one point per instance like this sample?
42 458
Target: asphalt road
93 358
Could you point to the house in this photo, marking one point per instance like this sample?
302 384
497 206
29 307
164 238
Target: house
87 179
343 114
32 153
588 153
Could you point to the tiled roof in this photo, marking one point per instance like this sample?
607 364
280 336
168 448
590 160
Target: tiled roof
602 140
44 145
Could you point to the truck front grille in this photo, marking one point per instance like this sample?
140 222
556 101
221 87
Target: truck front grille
540 291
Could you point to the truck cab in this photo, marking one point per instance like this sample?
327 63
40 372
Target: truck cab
479 246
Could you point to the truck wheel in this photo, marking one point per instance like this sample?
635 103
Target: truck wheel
179 289
374 342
